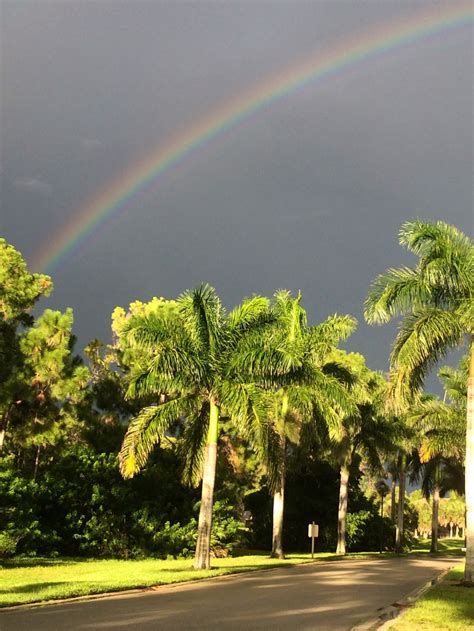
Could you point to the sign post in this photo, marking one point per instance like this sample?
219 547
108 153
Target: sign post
313 532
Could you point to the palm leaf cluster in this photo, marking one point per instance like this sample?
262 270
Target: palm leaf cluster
436 298
195 357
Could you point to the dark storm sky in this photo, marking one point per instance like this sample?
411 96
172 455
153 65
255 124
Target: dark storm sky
308 194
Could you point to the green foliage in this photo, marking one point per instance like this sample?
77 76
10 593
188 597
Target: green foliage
189 355
81 506
19 289
435 298
368 531
8 544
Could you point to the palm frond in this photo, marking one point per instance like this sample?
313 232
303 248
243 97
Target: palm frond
193 444
203 316
251 312
146 429
333 330
438 239
150 330
423 339
395 293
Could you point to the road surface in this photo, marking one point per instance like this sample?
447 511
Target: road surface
337 595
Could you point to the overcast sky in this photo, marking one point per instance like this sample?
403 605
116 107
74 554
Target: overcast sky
308 194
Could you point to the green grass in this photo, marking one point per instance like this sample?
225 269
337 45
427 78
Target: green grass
445 607
27 580
34 580
446 547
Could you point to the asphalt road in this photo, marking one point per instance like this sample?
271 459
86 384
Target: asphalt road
337 595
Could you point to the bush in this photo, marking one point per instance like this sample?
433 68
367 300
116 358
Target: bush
80 505
367 531
7 545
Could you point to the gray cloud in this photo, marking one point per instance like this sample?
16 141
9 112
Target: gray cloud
34 185
89 143
309 193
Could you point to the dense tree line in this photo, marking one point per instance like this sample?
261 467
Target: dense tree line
198 429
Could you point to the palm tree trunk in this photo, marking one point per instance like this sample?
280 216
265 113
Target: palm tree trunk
279 495
278 507
342 513
393 499
401 507
4 425
434 515
469 571
37 459
203 545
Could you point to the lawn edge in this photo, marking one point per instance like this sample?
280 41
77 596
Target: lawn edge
158 586
392 614
153 588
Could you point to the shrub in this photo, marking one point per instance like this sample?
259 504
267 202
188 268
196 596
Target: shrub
367 531
7 545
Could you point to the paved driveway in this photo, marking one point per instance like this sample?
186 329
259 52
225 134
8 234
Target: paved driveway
335 595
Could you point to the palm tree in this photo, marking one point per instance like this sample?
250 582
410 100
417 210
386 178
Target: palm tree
366 432
314 391
440 426
195 374
436 298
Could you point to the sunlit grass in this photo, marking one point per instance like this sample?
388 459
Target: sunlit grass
27 580
445 607
42 579
445 546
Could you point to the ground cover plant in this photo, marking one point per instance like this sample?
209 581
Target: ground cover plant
447 606
35 580
29 579
252 397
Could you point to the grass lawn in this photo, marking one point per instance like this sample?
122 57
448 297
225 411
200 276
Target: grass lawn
446 547
27 580
32 580
445 607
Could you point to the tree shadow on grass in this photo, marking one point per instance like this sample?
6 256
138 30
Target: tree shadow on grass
21 562
32 588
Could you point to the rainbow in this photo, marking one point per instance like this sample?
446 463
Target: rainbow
117 193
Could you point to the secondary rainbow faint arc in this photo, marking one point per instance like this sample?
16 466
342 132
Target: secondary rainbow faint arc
347 53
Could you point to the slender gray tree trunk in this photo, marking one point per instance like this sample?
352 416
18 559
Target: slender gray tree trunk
393 498
401 508
4 425
342 513
279 495
434 519
469 532
37 459
202 558
278 508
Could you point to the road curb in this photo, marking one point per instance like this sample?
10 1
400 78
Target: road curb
389 615
160 586
154 588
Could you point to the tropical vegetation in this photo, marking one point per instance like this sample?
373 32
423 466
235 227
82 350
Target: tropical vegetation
198 431
436 300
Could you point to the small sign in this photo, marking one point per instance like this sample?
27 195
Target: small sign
313 530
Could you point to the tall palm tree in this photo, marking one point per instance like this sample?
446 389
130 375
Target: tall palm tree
436 300
440 427
314 392
195 374
366 433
